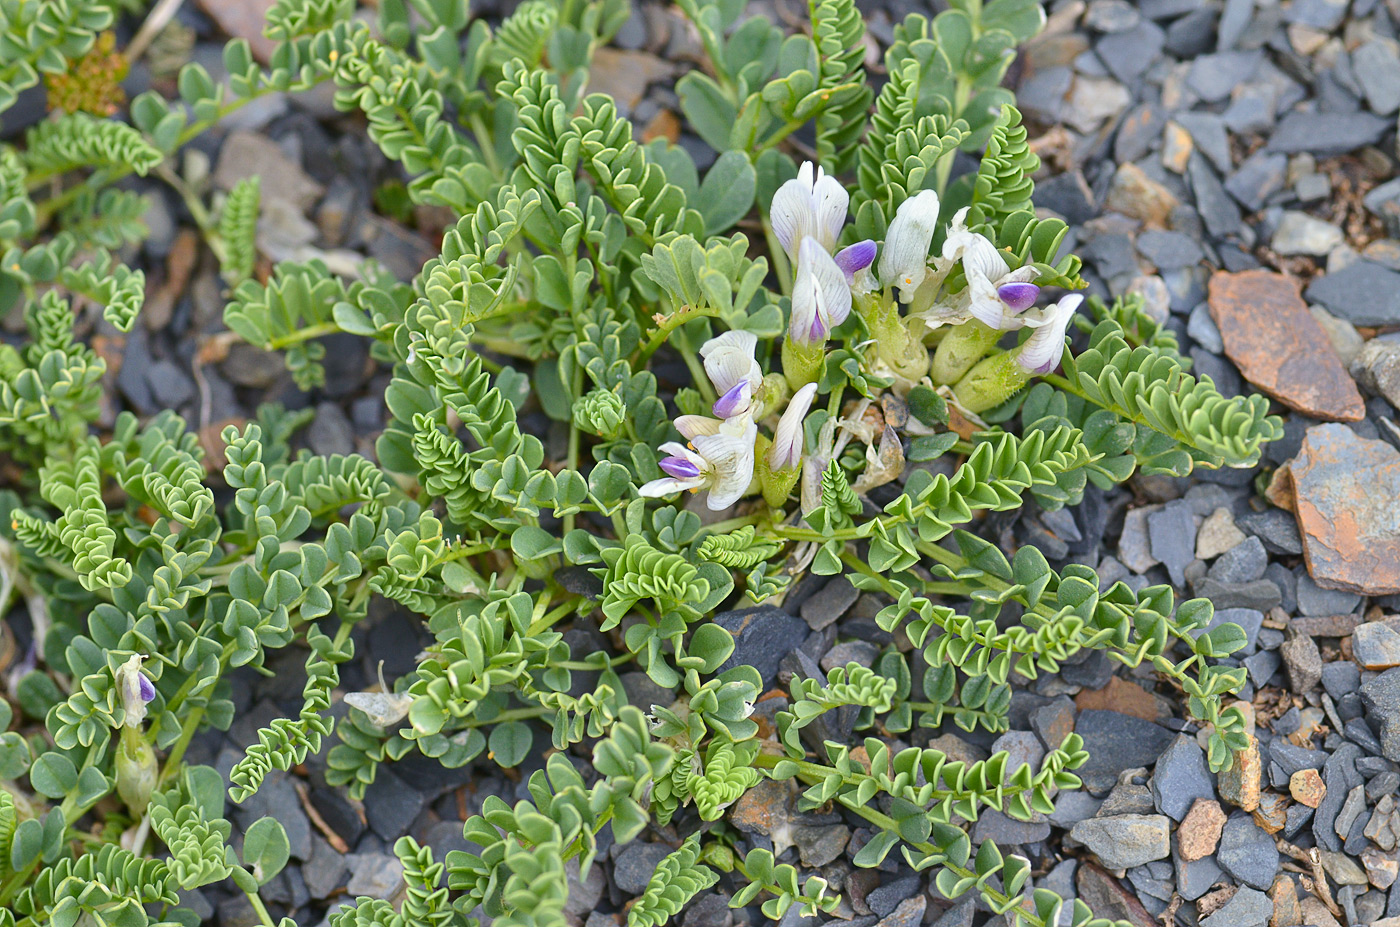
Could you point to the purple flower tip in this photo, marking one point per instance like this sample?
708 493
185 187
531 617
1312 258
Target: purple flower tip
818 331
1019 296
855 258
679 467
148 691
734 401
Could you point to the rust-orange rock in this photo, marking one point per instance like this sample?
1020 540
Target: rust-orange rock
1199 833
1345 488
1280 347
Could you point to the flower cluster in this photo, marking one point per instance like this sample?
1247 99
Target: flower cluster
964 299
721 450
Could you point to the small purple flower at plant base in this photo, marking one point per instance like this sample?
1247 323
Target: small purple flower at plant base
811 204
1041 352
821 298
737 401
904 258
786 452
1018 296
854 261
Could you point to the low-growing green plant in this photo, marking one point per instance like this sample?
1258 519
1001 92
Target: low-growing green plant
873 364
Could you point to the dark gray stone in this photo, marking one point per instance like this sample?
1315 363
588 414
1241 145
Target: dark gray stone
634 866
1292 758
1327 133
1128 54
1168 250
1068 195
1233 21
1111 16
1262 666
1213 76
1005 831
391 805
821 845
829 602
1377 69
1246 908
1316 602
1122 841
1325 15
330 432
1207 130
1341 677
1072 807
1258 177
1260 595
170 386
762 637
339 813
1203 330
1247 852
1243 563
1191 35
1218 210
1172 533
887 897
1363 293
1180 777
1277 529
1381 699
1340 776
1304 662
1195 878
1116 742
1384 202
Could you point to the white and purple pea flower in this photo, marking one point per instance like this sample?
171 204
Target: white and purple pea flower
135 690
1040 353
996 295
719 456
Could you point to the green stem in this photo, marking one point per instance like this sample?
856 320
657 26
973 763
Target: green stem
669 324
485 144
260 908
574 439
781 268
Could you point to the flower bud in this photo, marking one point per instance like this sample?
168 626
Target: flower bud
137 770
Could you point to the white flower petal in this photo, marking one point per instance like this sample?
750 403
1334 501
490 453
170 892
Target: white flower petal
829 203
904 257
786 451
791 216
1042 350
666 486
692 426
729 360
820 294
980 256
730 459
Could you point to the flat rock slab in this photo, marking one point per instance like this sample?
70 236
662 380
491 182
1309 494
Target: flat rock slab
1280 347
1363 293
1346 487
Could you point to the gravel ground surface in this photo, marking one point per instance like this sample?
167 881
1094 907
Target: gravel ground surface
1233 162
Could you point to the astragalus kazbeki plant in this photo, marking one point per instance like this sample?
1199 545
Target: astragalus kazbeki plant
876 360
